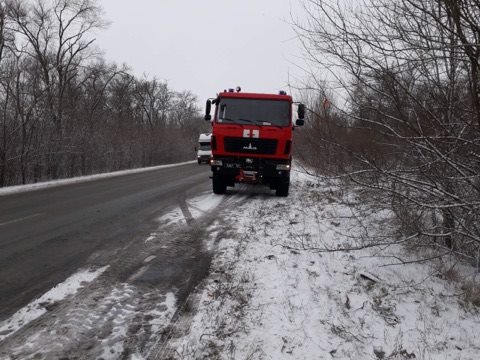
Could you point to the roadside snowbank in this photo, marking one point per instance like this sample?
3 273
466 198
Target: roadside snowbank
48 184
278 289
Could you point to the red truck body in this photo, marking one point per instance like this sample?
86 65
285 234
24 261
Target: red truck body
251 140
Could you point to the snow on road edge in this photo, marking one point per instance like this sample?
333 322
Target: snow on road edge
48 184
38 307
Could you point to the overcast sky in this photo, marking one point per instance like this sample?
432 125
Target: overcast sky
204 45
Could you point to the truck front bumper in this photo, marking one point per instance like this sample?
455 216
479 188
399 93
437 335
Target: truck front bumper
251 170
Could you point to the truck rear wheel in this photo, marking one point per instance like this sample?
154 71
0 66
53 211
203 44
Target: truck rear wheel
282 188
219 185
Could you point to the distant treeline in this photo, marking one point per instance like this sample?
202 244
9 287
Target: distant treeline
65 111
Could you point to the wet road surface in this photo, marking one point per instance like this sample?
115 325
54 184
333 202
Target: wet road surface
46 235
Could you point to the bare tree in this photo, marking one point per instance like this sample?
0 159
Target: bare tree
6 40
66 112
57 34
408 74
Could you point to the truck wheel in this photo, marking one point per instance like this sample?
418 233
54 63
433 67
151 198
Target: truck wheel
282 188
219 185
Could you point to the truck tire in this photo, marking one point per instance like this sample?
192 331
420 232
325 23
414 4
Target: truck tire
282 188
219 185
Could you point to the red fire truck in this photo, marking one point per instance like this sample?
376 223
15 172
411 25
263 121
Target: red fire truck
252 139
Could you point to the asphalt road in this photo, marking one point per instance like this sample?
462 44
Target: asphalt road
46 235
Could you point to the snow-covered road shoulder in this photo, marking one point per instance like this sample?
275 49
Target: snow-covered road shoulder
39 306
279 289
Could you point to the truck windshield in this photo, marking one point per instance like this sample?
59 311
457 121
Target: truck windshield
254 111
205 146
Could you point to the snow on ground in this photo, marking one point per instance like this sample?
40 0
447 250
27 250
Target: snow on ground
174 216
113 346
194 208
272 294
48 184
203 204
39 306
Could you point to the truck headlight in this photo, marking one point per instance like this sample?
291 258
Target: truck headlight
214 162
283 167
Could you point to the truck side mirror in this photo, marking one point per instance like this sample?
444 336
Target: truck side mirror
208 108
301 115
301 111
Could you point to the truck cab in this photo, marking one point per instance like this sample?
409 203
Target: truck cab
204 149
252 139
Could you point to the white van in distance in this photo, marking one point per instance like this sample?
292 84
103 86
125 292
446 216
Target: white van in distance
204 151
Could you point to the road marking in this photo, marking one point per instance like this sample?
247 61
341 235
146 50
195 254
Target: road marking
20 219
150 258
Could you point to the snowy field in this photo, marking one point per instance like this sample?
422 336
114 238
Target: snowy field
278 289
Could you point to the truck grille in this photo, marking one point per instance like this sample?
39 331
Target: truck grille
250 145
